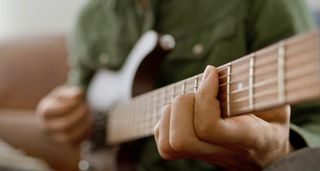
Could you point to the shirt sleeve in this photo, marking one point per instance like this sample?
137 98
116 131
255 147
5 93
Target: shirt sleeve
80 72
270 21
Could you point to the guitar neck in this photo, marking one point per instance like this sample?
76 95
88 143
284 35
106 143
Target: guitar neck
285 73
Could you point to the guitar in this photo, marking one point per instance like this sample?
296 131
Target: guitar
285 73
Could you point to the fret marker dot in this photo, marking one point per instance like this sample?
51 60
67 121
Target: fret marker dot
239 86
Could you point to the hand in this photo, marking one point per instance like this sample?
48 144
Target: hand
192 127
64 115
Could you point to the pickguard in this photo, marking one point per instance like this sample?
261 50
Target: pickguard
109 88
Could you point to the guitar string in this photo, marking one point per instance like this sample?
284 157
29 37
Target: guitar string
238 91
260 72
199 76
157 109
164 100
145 127
274 92
150 121
270 60
289 75
272 50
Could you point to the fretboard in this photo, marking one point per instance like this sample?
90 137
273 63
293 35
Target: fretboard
285 73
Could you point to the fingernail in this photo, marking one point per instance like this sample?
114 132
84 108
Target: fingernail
206 72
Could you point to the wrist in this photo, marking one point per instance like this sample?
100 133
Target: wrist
98 133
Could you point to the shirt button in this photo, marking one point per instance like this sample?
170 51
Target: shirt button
167 42
84 165
197 49
103 58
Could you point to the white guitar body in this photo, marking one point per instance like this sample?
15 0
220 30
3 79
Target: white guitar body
109 88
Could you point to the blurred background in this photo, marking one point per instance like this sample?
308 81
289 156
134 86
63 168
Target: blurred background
37 17
35 31
23 18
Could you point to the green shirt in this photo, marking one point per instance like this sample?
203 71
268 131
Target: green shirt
224 31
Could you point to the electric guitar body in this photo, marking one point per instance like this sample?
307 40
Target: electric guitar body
109 88
267 80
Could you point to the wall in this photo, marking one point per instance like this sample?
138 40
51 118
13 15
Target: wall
36 17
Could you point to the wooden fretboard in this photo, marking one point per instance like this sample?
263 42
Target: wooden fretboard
284 73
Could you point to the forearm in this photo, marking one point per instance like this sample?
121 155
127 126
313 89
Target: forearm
21 130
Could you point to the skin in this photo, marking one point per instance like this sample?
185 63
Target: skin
64 115
192 127
29 138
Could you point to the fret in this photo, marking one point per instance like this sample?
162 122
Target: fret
251 79
173 92
228 89
318 54
162 97
146 113
288 72
135 126
281 72
196 82
183 88
154 108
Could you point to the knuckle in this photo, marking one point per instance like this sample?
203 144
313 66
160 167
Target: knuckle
203 129
200 94
179 143
166 156
62 138
156 130
63 126
164 148
166 108
179 99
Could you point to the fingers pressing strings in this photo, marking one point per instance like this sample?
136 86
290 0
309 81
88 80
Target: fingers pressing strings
162 135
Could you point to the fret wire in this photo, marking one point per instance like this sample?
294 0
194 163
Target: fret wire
195 84
154 110
246 108
173 92
134 117
281 72
229 85
290 75
246 76
256 85
267 61
223 67
300 89
273 92
291 86
269 71
183 89
220 70
251 71
228 90
147 113
255 96
318 42
231 92
239 109
165 97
